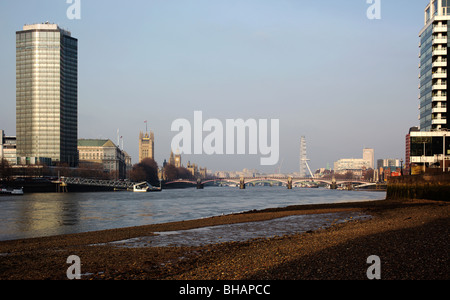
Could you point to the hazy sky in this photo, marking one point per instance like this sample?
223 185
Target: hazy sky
321 67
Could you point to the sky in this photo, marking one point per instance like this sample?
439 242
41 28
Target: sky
322 68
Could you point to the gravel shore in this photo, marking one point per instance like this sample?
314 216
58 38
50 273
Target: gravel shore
410 237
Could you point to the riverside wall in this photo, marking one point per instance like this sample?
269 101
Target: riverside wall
424 186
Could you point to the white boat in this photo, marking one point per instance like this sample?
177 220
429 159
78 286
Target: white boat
13 192
145 187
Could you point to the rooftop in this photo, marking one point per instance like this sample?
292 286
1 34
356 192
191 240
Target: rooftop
95 143
45 26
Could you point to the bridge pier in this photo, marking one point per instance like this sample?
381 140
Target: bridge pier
333 184
242 184
289 183
61 187
200 185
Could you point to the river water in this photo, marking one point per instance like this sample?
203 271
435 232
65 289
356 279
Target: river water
39 215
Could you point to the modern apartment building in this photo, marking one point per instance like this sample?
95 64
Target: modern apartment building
427 150
47 93
434 67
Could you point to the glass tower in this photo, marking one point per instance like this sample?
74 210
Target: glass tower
434 59
47 93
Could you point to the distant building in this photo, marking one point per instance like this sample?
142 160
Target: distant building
146 146
175 160
8 148
196 171
356 164
47 94
369 155
388 163
105 153
350 164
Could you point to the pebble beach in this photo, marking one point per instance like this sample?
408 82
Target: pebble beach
411 238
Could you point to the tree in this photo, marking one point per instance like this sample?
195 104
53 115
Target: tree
348 175
137 174
369 174
5 170
170 172
184 173
173 173
146 170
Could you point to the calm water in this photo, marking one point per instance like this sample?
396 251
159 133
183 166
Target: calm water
38 215
240 232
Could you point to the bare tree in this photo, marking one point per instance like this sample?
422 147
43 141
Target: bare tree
5 170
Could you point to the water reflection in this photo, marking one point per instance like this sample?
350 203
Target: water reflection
36 215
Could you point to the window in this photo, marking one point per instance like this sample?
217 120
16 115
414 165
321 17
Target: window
446 7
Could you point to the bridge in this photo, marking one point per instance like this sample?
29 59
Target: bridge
63 182
288 181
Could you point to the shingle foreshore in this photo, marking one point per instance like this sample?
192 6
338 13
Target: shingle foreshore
411 238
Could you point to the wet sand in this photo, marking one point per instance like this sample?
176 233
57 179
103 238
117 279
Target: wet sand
410 237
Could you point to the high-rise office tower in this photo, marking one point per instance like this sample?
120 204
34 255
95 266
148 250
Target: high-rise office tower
304 166
434 60
47 93
303 157
369 156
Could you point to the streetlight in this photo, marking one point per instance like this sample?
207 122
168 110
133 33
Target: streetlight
443 155
401 168
424 154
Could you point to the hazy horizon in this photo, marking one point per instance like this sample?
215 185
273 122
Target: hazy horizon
323 69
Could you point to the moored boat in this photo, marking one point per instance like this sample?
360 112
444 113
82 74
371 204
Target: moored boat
13 192
145 187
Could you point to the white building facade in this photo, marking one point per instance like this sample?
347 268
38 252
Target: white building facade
434 59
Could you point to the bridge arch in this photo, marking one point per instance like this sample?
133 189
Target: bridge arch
267 180
222 180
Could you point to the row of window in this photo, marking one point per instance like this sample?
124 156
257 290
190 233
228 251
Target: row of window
429 146
38 34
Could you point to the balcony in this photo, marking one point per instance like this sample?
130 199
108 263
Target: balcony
441 28
438 75
442 40
439 109
439 87
439 121
440 63
441 51
439 98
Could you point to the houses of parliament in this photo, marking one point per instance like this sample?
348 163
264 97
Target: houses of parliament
146 145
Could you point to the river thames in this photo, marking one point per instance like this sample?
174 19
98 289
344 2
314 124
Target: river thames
40 215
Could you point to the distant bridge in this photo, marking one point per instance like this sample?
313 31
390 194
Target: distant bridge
241 182
289 181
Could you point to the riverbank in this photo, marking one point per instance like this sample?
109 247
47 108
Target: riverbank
424 186
410 237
